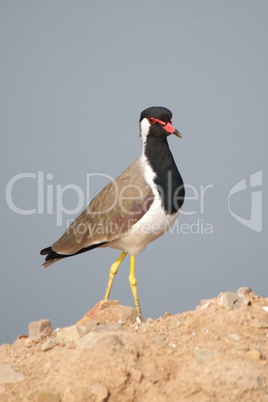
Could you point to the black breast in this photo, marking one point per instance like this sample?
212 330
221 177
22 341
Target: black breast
168 179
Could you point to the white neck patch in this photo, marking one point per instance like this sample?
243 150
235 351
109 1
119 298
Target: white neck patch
145 127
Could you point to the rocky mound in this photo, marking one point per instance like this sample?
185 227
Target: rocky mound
218 352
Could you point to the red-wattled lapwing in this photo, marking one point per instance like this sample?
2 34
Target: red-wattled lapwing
133 210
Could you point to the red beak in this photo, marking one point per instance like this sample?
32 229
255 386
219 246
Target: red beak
166 126
172 130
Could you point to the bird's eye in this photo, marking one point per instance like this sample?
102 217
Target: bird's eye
151 120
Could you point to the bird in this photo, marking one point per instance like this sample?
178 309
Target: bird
135 208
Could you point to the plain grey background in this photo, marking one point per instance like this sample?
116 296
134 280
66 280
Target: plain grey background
75 76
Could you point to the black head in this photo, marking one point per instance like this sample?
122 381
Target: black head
156 121
157 112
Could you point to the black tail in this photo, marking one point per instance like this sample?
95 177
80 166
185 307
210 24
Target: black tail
52 256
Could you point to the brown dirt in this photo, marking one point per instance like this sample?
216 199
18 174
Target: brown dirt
218 352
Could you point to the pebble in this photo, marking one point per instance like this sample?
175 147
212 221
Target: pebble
138 320
29 342
47 395
39 328
167 314
136 374
98 392
260 322
67 334
255 354
160 340
235 337
9 375
204 305
49 344
106 312
173 322
4 351
244 290
204 355
228 299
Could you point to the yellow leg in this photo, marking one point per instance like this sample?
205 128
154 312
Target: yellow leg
133 284
113 272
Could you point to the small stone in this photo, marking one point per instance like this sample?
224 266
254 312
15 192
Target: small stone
255 354
68 334
49 344
243 290
204 304
204 355
138 320
39 328
4 351
23 336
235 337
154 380
242 348
47 395
106 312
160 340
99 392
172 322
167 314
260 322
29 342
9 375
228 299
136 374
243 300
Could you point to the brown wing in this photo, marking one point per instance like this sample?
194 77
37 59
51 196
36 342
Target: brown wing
111 214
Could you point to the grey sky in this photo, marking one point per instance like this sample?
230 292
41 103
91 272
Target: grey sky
75 76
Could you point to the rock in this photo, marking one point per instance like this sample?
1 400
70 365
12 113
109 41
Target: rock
39 328
173 322
243 291
228 299
106 312
204 355
231 300
9 375
136 374
98 393
47 395
68 334
154 380
48 344
4 351
256 354
259 322
235 337
29 342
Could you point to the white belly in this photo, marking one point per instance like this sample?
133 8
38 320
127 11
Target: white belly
151 226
